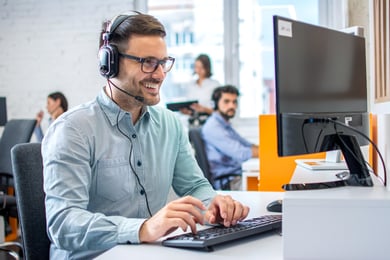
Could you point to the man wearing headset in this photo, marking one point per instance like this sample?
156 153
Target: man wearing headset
226 149
109 164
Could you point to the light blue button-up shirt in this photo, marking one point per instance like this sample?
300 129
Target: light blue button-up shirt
94 200
226 149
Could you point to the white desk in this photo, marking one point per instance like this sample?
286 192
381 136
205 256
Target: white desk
337 223
250 168
265 246
317 224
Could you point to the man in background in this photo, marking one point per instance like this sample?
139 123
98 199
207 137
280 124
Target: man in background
226 149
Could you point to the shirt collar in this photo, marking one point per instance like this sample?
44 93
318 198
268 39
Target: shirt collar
220 119
111 109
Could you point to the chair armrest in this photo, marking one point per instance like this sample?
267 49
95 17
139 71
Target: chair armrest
4 247
224 176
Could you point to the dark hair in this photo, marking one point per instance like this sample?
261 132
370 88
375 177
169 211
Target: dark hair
206 62
61 97
136 23
217 93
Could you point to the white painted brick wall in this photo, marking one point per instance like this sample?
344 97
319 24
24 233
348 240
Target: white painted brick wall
51 45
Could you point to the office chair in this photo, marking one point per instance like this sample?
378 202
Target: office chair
15 131
8 204
195 136
28 177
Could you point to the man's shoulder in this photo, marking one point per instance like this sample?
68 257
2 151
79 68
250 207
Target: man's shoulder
212 125
81 109
160 111
162 115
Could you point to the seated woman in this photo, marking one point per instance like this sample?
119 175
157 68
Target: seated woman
57 104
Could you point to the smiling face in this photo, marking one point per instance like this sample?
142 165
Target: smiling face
132 79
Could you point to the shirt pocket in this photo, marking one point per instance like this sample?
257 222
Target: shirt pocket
113 179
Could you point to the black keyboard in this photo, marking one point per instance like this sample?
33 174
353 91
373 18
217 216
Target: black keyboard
205 239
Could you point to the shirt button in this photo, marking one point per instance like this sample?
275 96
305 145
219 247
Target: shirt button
139 163
142 192
134 136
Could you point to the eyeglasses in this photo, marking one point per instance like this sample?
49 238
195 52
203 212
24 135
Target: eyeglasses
150 64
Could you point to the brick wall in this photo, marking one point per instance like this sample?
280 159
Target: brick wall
51 45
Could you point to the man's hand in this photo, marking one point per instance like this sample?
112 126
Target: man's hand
180 213
224 210
201 109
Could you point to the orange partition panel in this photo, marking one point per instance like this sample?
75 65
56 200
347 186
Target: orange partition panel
373 159
252 184
274 170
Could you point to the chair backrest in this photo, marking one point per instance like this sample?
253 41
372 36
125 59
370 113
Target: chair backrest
195 136
28 177
16 131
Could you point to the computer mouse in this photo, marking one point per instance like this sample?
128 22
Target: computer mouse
275 206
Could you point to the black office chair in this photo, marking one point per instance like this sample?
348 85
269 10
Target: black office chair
28 177
15 131
8 208
195 136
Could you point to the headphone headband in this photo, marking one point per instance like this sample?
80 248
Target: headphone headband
108 53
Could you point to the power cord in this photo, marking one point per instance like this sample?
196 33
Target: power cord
369 140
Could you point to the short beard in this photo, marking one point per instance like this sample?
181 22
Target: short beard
226 116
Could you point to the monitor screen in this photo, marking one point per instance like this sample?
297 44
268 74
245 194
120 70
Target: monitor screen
3 111
320 77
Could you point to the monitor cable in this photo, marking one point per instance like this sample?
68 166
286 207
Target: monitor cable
335 122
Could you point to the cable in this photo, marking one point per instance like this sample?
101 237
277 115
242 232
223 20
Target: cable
369 140
362 165
131 152
303 136
132 167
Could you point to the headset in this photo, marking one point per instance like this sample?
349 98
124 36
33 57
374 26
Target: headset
108 53
217 93
216 96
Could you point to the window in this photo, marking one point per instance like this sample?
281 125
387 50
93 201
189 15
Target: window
256 55
193 27
238 36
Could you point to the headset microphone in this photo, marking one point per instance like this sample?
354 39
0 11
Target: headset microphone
138 98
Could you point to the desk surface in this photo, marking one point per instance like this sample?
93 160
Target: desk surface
265 246
251 165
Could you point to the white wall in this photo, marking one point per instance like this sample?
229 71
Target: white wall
51 45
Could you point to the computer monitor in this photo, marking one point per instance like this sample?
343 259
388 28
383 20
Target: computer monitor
3 111
321 86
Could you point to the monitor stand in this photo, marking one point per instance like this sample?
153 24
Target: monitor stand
332 161
358 173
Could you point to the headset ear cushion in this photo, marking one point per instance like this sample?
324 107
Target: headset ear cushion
108 61
215 99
